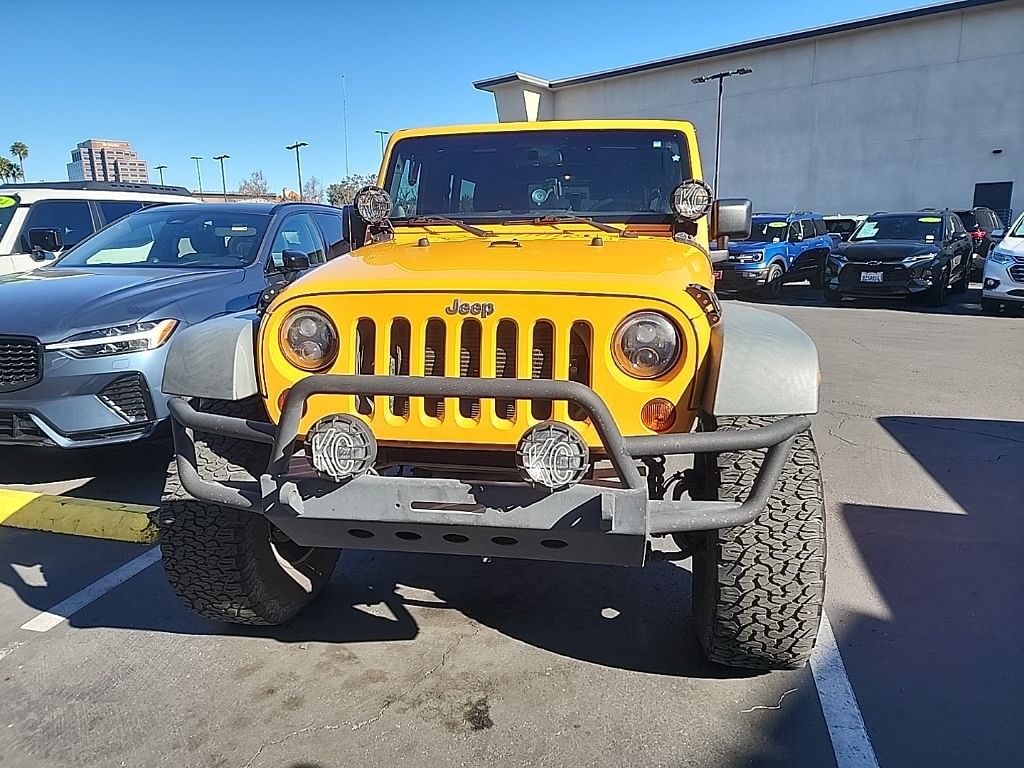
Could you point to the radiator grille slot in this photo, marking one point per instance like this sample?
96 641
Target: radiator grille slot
366 339
399 343
542 364
469 365
505 364
433 363
579 362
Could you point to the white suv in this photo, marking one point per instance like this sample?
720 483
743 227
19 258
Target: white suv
1003 283
67 211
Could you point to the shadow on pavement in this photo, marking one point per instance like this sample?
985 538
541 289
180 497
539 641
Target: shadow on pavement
803 295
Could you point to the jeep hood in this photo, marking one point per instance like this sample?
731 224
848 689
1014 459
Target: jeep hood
885 250
656 267
52 303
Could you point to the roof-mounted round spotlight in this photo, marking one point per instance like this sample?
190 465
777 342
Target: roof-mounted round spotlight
692 199
341 447
373 205
552 455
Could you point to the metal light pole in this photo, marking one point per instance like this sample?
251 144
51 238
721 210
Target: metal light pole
223 180
720 77
298 163
382 134
344 121
161 169
199 174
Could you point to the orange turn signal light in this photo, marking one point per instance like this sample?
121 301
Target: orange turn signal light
284 396
659 415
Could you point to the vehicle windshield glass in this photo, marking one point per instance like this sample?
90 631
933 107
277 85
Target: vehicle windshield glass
909 227
171 237
1018 230
968 218
615 175
768 230
8 205
840 226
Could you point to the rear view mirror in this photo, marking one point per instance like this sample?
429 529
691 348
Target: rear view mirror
45 242
731 218
294 261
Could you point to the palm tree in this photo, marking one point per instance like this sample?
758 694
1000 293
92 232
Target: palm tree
20 150
8 170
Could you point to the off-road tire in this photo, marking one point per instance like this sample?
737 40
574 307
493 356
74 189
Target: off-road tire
759 588
227 564
772 287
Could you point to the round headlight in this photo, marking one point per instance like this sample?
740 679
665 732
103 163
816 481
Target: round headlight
309 340
646 345
373 204
691 199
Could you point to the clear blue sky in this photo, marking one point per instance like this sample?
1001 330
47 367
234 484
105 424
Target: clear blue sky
246 77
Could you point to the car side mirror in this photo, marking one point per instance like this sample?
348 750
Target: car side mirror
294 261
731 217
997 234
45 242
796 237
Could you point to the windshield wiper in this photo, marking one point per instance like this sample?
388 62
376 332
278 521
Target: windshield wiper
420 221
572 219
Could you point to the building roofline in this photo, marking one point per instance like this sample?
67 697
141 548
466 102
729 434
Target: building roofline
749 45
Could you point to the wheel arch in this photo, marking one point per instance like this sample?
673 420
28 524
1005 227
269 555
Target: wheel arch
214 359
760 364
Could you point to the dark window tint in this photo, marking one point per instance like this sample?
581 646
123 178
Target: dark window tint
840 226
298 233
113 210
968 218
958 226
819 227
331 226
71 218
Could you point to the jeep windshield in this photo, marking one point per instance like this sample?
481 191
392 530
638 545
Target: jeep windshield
170 236
605 175
917 227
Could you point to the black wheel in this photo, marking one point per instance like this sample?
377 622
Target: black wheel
833 297
961 284
772 287
991 306
936 295
816 279
758 589
227 564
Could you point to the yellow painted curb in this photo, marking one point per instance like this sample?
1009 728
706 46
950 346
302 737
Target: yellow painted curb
78 517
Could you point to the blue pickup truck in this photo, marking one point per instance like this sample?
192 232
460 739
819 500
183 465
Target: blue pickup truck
782 247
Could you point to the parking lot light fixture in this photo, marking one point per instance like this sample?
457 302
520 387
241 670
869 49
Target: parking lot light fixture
382 134
160 168
720 77
298 163
223 179
199 173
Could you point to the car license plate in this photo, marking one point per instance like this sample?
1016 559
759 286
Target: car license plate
871 277
717 274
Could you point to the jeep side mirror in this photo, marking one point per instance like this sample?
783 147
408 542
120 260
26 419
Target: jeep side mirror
294 261
730 217
45 242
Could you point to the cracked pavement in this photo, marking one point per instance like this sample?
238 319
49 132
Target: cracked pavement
440 661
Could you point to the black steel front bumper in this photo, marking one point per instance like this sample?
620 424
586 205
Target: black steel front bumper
584 523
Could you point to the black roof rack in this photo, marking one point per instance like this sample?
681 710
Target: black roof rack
103 186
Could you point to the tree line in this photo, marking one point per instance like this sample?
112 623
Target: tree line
10 171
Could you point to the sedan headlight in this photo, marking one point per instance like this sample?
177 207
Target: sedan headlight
1000 257
646 345
309 340
117 339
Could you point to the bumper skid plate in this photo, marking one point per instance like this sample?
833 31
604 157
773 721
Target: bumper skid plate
583 523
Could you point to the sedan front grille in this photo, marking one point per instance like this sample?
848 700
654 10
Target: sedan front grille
21 362
1017 273
128 397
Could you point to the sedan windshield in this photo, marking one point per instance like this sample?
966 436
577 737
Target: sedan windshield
616 175
908 227
170 236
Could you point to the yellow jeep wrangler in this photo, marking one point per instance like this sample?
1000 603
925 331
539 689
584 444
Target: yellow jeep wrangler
522 357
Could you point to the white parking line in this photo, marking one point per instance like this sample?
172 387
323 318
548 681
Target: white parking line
850 741
66 608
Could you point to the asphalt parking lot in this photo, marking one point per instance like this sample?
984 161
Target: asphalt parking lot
432 660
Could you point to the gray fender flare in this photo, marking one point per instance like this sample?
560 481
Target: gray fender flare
760 364
214 359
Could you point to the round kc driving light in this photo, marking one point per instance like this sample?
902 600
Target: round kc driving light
341 447
691 199
646 345
552 455
309 340
373 204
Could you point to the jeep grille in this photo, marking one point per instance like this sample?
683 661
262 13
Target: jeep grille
471 349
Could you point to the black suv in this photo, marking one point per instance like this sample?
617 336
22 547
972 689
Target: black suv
921 253
981 223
